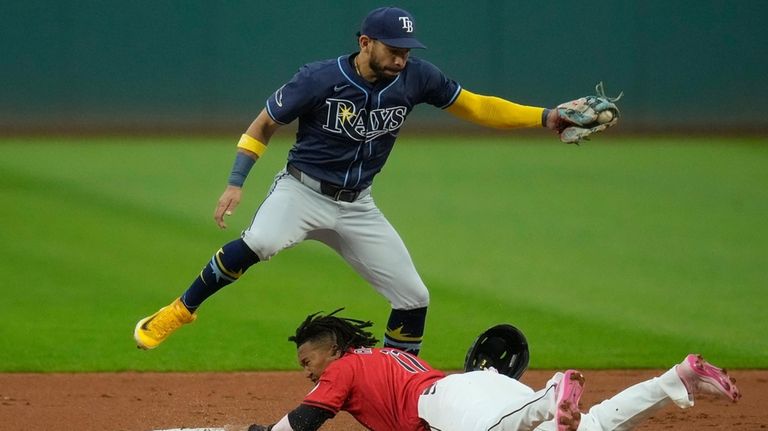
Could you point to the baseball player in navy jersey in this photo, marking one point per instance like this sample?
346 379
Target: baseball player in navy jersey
387 389
350 110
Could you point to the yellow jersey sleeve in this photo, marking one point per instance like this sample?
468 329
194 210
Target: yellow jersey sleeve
495 112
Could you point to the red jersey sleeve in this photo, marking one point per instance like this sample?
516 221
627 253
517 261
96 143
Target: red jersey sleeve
333 389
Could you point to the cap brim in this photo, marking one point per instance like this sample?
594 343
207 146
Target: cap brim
405 42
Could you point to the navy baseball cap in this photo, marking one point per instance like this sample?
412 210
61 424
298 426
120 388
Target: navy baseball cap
393 26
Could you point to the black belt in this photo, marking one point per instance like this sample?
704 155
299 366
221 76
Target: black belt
333 191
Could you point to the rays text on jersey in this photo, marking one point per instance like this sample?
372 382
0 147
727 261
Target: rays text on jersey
344 117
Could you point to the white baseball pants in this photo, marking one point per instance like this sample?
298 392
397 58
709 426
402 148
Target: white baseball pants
358 231
488 401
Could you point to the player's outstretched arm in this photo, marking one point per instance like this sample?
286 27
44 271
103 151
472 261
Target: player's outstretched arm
573 121
495 112
252 145
302 418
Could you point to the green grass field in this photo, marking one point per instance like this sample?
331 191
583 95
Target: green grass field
618 253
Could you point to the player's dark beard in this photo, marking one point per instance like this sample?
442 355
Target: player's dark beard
379 70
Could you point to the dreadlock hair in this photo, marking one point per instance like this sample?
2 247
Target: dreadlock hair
344 331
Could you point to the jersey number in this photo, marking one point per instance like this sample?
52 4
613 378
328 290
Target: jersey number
406 360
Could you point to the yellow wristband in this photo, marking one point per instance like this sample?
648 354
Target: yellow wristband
251 144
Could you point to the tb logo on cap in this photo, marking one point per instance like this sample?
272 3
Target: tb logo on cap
407 24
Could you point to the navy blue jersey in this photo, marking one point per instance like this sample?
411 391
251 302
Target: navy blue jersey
348 126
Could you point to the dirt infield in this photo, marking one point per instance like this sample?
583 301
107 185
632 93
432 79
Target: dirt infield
149 401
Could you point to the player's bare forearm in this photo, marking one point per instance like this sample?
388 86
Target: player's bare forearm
252 145
262 128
